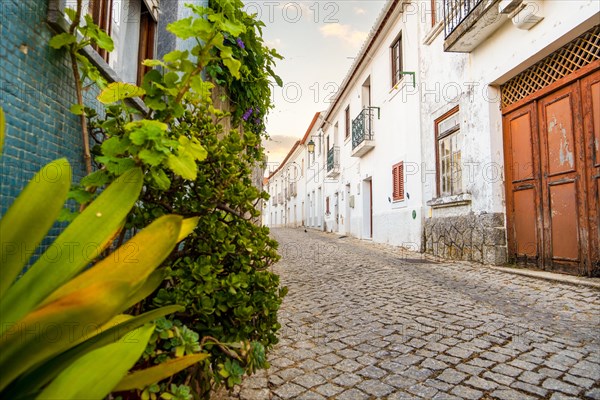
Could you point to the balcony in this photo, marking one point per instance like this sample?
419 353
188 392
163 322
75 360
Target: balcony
362 132
333 161
467 23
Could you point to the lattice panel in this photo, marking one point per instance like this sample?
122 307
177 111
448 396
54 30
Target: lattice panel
575 55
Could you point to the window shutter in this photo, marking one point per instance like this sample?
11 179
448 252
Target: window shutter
398 181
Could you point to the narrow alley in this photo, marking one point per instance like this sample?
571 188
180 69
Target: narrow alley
367 321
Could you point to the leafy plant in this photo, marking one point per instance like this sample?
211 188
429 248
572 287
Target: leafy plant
194 167
62 333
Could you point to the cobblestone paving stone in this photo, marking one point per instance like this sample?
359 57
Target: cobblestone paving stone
369 321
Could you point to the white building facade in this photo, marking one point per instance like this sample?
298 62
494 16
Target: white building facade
468 129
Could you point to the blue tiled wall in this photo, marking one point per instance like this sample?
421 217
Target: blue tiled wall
36 92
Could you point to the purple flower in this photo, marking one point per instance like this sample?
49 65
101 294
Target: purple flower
240 43
247 114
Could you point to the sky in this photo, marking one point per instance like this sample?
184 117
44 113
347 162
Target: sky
319 41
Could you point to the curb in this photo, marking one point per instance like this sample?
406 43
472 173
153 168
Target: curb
552 276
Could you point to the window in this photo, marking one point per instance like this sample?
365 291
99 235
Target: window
449 159
131 24
348 121
396 51
398 181
327 206
437 11
133 30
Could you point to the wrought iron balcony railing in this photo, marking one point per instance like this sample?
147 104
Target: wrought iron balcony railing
333 158
362 126
455 12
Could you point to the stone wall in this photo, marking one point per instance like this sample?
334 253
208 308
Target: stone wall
470 237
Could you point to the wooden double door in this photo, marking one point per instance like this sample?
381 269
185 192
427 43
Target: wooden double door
552 167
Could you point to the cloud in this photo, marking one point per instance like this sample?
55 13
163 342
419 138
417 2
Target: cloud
276 43
344 32
277 147
359 11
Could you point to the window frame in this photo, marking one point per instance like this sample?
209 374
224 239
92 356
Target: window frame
439 136
101 12
396 69
348 131
398 189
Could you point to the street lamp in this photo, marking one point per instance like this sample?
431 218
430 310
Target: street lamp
311 144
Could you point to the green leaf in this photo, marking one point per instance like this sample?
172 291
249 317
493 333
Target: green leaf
95 179
30 218
94 375
187 226
119 91
62 40
193 148
233 66
190 27
141 131
42 374
80 196
88 307
176 55
153 63
151 157
79 244
223 23
201 87
134 261
77 109
146 377
114 146
182 28
161 179
183 165
104 41
71 13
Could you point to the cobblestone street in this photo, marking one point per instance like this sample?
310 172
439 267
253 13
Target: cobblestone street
367 321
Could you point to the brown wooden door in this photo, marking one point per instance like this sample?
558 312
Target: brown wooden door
590 89
563 180
552 165
523 185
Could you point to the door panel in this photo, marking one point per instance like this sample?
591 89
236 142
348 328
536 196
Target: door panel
590 89
559 129
561 139
525 223
564 221
522 185
522 156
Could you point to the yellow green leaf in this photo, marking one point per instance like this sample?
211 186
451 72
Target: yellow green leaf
133 262
146 377
183 165
78 245
109 333
94 375
119 91
54 328
30 217
187 226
